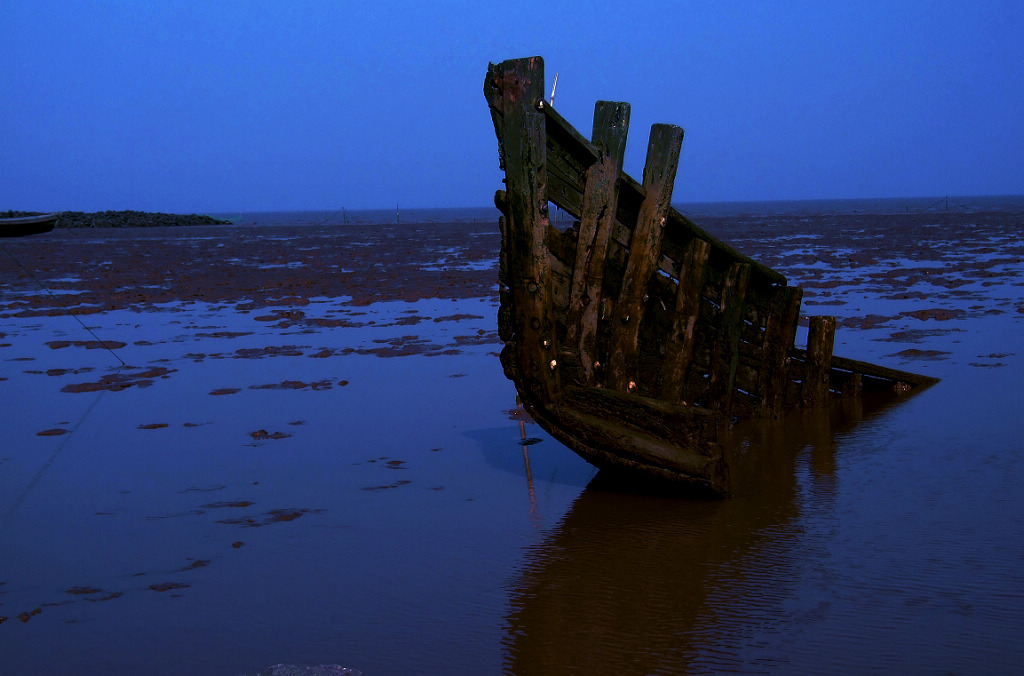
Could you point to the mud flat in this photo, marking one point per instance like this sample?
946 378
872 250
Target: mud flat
295 444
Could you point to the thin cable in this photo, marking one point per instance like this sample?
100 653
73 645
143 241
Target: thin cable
46 465
64 307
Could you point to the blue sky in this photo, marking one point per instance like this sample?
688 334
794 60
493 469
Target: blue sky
182 105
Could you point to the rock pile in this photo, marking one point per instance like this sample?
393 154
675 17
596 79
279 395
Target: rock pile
122 219
131 219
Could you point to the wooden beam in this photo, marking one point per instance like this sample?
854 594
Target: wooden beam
726 351
597 217
689 291
518 87
644 253
882 372
779 334
820 342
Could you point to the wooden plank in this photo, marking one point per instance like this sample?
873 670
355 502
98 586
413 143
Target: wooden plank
519 84
881 372
689 290
632 194
597 217
644 252
779 334
632 430
725 352
820 341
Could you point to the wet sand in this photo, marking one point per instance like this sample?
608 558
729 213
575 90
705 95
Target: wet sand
295 444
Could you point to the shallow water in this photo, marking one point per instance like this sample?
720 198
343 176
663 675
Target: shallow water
312 456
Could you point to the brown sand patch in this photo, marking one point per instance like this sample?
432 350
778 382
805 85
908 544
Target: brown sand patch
121 381
208 489
456 318
294 385
90 594
271 517
482 337
82 590
224 334
407 345
87 344
865 322
912 353
285 316
62 372
914 335
404 482
260 435
25 617
269 351
938 314
407 321
109 596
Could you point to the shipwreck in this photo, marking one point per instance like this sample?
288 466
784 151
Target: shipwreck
634 337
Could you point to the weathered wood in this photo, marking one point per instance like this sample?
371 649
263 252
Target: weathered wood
644 252
779 333
880 373
853 386
672 313
725 353
521 86
679 352
674 438
569 148
820 340
600 203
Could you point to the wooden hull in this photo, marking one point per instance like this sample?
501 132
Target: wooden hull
27 225
635 337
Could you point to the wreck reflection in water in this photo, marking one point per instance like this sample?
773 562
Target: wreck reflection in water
634 583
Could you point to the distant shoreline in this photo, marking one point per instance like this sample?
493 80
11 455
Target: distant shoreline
122 219
489 214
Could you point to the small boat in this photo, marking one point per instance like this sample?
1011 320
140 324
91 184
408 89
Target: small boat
634 337
19 226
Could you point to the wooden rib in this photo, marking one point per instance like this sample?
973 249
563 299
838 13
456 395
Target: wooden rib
820 339
569 144
679 352
597 216
519 84
725 353
644 252
779 334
